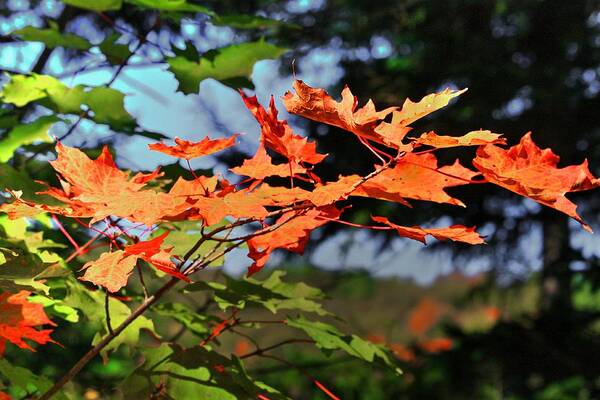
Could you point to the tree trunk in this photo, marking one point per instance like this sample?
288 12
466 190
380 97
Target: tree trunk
555 274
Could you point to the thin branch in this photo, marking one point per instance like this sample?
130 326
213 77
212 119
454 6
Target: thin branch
141 276
107 312
259 351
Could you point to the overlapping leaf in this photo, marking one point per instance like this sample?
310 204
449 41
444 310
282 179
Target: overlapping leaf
194 372
19 320
231 65
532 172
272 293
365 122
278 136
328 339
106 104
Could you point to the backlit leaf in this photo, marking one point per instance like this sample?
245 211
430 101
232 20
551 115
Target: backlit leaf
532 172
231 65
26 134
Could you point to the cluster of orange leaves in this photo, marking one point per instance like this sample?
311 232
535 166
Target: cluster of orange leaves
407 169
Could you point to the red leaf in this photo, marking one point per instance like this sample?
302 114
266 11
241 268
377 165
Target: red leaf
277 135
19 319
292 235
188 150
456 233
532 172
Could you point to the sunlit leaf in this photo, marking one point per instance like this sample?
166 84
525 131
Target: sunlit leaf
231 65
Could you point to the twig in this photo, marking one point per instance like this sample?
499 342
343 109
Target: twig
259 351
141 276
107 311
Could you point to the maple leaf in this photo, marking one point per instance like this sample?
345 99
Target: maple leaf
19 319
474 138
234 204
200 186
189 150
365 122
412 111
407 181
456 233
292 235
97 189
111 270
261 166
277 135
532 172
151 252
318 105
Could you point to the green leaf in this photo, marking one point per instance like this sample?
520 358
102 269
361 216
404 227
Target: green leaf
15 180
106 104
19 268
194 322
231 65
245 21
170 5
194 373
184 234
26 134
96 5
56 307
272 294
91 304
23 382
115 53
328 338
52 38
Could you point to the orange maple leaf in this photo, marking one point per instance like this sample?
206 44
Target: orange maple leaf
18 321
417 176
112 269
474 138
292 235
188 150
532 172
365 122
277 135
97 189
456 233
318 105
261 166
